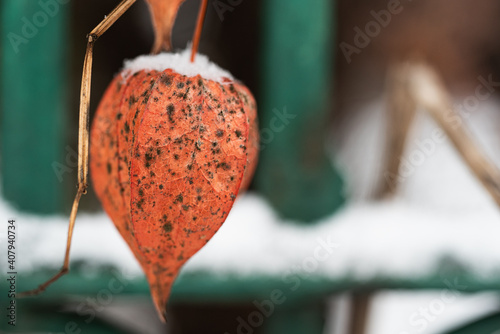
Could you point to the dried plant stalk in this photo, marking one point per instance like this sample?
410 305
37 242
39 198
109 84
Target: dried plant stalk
415 84
429 92
401 112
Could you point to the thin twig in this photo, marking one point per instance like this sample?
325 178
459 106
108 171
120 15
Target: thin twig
429 92
199 28
83 136
401 113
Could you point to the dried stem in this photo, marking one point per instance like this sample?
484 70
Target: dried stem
401 112
83 136
199 27
431 94
421 87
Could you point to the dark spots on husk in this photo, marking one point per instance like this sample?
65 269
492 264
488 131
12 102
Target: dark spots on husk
185 95
188 231
167 227
166 79
197 145
132 100
148 156
179 198
170 112
224 166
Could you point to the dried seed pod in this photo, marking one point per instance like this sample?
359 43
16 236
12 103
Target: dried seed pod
169 155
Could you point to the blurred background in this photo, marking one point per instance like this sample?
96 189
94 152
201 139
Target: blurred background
426 260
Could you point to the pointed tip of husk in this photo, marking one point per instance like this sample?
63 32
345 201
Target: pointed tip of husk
160 294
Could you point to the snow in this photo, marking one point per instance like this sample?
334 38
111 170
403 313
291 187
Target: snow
449 204
179 62
364 237
427 312
434 176
441 210
441 187
412 312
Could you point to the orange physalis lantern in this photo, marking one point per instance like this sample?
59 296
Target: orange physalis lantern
170 151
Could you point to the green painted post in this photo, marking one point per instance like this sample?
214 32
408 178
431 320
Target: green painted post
32 102
47 317
489 324
294 171
302 319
